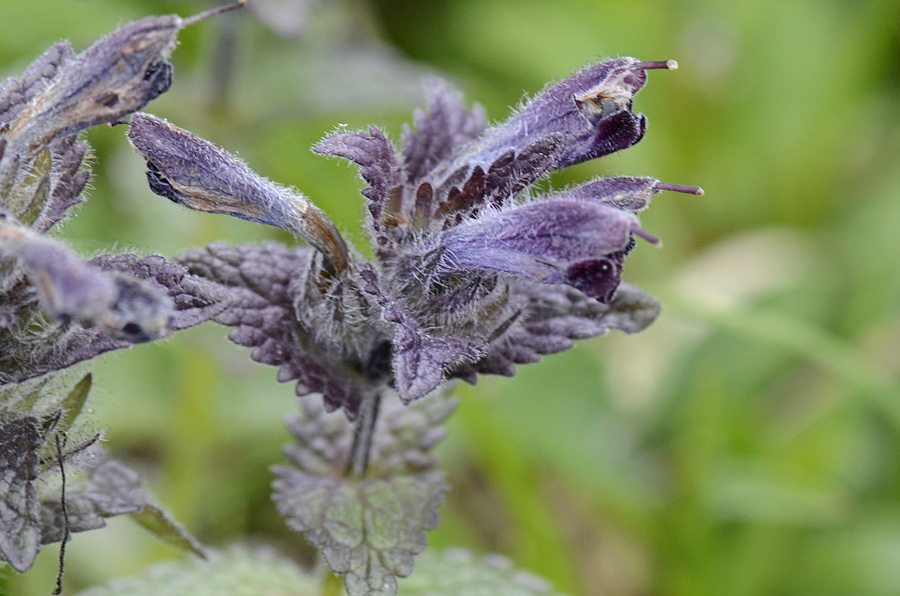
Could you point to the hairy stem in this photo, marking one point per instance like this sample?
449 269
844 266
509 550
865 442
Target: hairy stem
362 435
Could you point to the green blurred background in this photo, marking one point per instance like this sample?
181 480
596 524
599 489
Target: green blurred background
748 443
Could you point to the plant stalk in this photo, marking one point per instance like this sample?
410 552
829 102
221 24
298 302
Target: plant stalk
362 435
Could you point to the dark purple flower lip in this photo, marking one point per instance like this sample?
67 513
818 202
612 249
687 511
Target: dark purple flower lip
616 93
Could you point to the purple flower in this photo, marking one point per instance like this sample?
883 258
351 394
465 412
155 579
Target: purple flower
117 75
472 273
194 173
579 243
111 302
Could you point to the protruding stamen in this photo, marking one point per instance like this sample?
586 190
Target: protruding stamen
691 190
646 236
206 14
658 64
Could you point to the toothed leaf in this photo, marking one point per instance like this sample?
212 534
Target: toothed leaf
136 298
109 488
380 166
551 318
264 283
446 126
368 529
20 519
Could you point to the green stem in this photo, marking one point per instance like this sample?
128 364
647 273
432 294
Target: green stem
362 436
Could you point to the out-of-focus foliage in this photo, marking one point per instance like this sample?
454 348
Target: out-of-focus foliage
239 570
747 443
261 572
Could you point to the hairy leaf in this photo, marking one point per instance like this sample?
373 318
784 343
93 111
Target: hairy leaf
262 282
446 126
551 318
109 488
32 345
69 177
380 165
420 360
368 529
70 289
20 441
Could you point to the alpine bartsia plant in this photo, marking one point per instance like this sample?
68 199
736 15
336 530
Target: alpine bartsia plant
473 272
56 309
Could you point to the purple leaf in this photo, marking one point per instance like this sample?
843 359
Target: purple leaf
69 288
261 281
420 360
137 284
380 166
68 180
446 126
552 316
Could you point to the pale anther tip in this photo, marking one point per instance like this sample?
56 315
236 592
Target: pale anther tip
211 13
657 65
